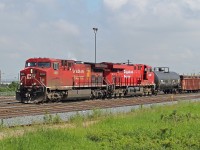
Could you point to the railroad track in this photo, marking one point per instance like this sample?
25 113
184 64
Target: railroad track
6 99
9 108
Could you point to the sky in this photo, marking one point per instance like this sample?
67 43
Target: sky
154 32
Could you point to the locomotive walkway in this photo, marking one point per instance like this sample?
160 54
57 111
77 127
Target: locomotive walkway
14 113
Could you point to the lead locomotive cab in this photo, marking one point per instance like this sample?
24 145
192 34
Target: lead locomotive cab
33 79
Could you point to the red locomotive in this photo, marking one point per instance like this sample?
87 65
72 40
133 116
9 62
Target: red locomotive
46 79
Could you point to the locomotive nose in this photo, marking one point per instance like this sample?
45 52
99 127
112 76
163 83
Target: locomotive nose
32 76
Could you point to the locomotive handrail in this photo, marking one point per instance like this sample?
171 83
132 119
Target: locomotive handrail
109 84
22 78
107 81
86 82
18 87
40 82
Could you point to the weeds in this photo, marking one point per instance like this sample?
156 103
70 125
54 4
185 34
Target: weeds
1 124
77 119
178 117
51 119
169 127
96 113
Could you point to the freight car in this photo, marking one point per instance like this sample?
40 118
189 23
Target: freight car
166 81
190 83
46 79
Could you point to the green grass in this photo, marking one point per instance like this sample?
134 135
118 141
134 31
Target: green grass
165 127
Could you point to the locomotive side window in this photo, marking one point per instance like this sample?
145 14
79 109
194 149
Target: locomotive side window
70 64
30 64
44 64
55 66
64 62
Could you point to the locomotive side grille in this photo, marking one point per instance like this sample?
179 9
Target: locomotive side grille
42 74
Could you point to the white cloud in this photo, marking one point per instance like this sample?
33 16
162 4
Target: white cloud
155 32
140 4
3 40
157 15
45 2
186 54
60 26
14 55
115 4
193 4
66 27
167 9
2 6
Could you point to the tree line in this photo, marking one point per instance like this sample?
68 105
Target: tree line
9 87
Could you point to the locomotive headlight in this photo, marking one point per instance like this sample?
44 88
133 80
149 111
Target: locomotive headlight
31 70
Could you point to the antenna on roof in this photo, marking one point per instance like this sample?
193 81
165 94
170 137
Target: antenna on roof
129 62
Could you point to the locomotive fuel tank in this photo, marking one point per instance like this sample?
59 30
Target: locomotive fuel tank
166 81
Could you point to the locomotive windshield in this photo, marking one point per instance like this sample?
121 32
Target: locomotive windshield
39 64
44 64
31 64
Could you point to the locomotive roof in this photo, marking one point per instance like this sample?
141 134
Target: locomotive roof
42 59
36 59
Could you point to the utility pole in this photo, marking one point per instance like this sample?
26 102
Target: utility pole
95 32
